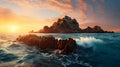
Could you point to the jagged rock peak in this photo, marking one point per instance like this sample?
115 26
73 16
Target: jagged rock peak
88 27
97 29
70 25
67 18
63 25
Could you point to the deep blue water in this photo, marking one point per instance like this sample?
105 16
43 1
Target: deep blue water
102 50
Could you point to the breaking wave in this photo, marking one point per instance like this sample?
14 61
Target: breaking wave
18 54
87 42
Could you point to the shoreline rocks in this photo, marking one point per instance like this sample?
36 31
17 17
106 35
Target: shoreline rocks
49 43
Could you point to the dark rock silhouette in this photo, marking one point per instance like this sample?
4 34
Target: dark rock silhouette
41 42
49 43
95 29
69 25
64 25
88 29
67 46
70 46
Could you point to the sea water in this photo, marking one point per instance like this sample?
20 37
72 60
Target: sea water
93 50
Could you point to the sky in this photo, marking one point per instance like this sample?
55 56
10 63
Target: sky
26 15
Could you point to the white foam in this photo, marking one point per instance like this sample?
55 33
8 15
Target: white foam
87 41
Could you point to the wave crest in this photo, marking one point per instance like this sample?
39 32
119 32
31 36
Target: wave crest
87 42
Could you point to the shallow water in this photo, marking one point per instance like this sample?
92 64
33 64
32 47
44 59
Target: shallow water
98 50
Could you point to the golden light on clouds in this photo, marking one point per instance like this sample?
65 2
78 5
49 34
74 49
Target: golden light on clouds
35 14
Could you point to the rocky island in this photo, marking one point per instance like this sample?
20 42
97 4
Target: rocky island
64 25
69 25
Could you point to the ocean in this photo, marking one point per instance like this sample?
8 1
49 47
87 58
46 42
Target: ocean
93 50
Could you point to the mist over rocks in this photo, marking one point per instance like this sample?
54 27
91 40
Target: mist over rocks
69 25
47 43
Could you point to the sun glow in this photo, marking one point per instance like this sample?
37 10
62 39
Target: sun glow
13 28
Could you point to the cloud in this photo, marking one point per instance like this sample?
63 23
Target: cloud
85 11
42 4
69 7
8 17
78 9
6 13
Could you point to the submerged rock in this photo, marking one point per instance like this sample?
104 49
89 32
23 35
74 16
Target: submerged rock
47 43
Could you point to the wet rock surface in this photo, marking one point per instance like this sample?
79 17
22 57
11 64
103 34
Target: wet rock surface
47 43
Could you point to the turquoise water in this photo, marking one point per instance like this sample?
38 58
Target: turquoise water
93 50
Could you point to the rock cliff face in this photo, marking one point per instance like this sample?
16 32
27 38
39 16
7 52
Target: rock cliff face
49 43
69 25
64 25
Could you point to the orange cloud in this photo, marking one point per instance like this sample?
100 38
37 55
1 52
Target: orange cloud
62 6
8 18
78 9
82 8
65 4
5 13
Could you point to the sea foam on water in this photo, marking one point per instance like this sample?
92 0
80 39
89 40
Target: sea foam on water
19 54
87 42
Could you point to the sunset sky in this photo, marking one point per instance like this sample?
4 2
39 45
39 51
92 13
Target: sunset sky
26 15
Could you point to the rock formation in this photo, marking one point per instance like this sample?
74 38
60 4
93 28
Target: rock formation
64 25
88 29
95 29
69 25
47 42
